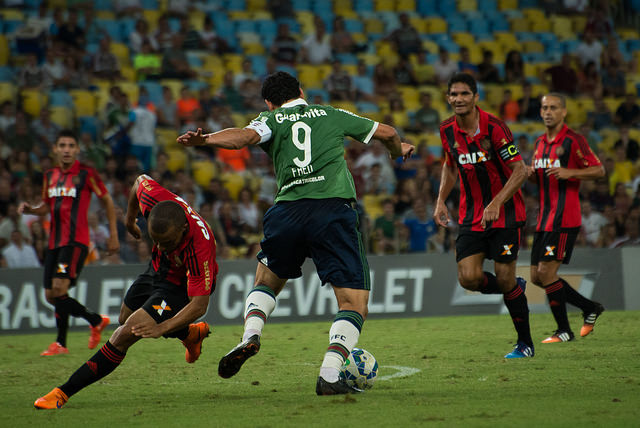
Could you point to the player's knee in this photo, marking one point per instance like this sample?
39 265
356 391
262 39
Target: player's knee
535 278
470 280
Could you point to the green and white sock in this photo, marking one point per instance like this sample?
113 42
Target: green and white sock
260 303
343 337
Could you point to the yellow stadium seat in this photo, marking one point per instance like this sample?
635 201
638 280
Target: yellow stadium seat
384 5
437 94
505 37
373 205
542 25
369 59
121 51
106 15
342 5
152 16
12 15
309 76
345 105
516 90
493 94
175 85
613 103
435 24
32 101
493 47
61 116
507 4
520 24
239 120
128 73
430 46
4 50
240 15
233 62
7 92
464 39
177 160
400 119
131 89
196 19
533 14
419 24
253 49
256 5
406 5
387 52
305 18
166 138
204 171
359 38
531 46
233 183
352 69
467 5
578 23
530 70
324 70
348 14
628 33
424 73
561 26
373 26
84 102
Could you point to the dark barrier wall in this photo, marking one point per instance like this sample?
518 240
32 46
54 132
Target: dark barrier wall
402 286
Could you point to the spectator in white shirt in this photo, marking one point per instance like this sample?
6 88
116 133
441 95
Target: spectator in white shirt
590 49
592 222
19 254
316 48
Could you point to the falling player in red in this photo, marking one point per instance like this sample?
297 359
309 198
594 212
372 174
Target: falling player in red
66 193
561 159
167 297
480 148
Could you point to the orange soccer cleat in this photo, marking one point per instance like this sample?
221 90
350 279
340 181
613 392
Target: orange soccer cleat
53 400
54 349
590 319
560 336
94 337
197 333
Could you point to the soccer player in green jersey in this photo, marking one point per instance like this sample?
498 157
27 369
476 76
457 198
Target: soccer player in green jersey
313 215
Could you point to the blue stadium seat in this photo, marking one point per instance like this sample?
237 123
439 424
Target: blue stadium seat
32 4
446 7
154 89
346 58
288 69
174 24
103 4
127 25
487 5
111 27
267 28
10 26
259 64
150 4
525 36
479 27
500 25
245 26
457 24
301 5
6 74
570 46
60 98
312 93
367 107
427 7
363 6
294 26
633 44
89 124
194 60
635 5
354 26
524 4
235 5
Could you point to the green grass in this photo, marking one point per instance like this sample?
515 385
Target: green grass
463 380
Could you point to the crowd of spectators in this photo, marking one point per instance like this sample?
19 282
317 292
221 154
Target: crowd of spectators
396 199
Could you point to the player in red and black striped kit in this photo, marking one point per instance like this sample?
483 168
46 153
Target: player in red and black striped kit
164 300
561 159
481 149
66 193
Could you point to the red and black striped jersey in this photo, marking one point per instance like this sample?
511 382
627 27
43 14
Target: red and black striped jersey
193 263
68 194
482 161
559 200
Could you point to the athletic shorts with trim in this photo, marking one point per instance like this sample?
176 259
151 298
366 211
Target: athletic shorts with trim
553 246
159 298
64 262
325 230
500 245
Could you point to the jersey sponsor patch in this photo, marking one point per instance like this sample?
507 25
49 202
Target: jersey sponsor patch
508 151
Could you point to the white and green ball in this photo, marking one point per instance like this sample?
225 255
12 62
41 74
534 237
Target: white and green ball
360 369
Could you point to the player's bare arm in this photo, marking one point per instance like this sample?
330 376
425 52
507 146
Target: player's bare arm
40 209
590 173
196 308
513 184
113 246
447 181
133 208
230 138
392 141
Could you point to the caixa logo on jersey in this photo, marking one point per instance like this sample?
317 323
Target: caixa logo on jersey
472 158
56 192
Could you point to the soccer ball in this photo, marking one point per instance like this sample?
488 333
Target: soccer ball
360 369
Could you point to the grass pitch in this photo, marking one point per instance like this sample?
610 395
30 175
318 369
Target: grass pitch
463 379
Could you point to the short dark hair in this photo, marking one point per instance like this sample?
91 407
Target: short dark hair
165 215
558 95
66 133
280 87
465 78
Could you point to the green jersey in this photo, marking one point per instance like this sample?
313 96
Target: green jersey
306 144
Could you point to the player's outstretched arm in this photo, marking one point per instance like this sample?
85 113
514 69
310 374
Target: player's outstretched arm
113 246
133 208
40 209
196 308
230 138
447 181
392 141
513 184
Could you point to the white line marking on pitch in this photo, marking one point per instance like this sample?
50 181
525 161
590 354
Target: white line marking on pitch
402 372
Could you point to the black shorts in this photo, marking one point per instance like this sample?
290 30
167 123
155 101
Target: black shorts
325 230
553 246
159 298
500 245
64 262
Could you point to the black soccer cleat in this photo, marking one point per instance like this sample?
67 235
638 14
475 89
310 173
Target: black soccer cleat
340 387
230 364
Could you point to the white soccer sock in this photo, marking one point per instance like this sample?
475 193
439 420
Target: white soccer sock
260 303
343 337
